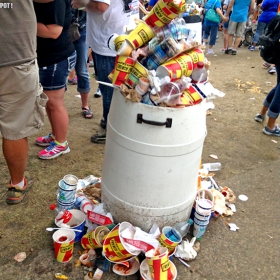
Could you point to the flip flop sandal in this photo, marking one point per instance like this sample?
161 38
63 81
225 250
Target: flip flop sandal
15 194
99 138
87 113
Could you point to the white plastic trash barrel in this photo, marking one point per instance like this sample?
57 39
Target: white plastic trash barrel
150 171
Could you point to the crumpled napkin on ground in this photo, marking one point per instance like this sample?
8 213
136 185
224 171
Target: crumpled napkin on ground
186 251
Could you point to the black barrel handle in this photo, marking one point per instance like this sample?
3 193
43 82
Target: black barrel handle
167 124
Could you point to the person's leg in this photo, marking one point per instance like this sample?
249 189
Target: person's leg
18 120
53 80
105 65
16 153
267 103
57 114
238 36
260 28
274 106
225 33
213 36
231 31
207 30
82 72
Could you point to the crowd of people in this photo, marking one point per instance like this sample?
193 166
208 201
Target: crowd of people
37 49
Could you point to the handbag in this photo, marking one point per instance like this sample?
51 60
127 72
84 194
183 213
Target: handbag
74 29
212 15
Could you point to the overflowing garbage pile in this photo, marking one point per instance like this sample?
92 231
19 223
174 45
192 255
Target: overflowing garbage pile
124 248
160 62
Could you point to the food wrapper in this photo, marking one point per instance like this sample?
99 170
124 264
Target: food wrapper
186 251
136 239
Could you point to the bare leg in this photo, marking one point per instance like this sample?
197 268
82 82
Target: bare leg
16 153
236 42
57 114
263 111
225 38
84 98
230 39
271 123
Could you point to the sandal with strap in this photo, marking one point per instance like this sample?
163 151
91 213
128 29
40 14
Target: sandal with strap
16 194
87 113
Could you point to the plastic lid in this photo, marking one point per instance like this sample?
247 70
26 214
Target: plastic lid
200 64
53 206
87 207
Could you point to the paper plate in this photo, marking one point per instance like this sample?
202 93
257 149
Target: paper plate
121 269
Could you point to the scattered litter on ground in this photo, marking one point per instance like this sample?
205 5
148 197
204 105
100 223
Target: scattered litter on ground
243 197
20 257
233 227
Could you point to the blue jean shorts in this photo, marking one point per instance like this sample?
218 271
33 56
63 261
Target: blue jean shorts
53 77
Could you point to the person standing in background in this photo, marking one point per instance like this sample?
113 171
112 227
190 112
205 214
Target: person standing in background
105 17
225 25
210 27
20 114
237 23
56 58
257 10
81 62
269 10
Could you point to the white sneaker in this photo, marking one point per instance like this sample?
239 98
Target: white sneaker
97 93
210 51
271 70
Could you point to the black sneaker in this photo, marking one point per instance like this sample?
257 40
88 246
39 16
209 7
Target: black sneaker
99 138
228 51
272 132
233 52
259 118
103 124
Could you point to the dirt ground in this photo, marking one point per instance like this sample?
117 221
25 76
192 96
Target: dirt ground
250 165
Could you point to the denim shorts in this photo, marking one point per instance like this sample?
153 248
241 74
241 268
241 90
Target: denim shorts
53 77
21 105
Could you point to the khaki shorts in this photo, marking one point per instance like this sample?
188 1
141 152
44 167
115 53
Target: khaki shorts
21 101
236 28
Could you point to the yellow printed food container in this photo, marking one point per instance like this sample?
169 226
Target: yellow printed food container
95 238
179 7
196 55
63 245
190 97
165 241
114 248
160 15
138 71
119 40
177 67
159 264
123 66
142 34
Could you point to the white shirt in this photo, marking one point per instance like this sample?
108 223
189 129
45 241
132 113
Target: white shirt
100 26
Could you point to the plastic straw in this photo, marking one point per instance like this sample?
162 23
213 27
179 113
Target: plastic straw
184 262
107 84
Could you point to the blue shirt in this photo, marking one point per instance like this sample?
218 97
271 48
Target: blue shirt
152 2
269 10
240 10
